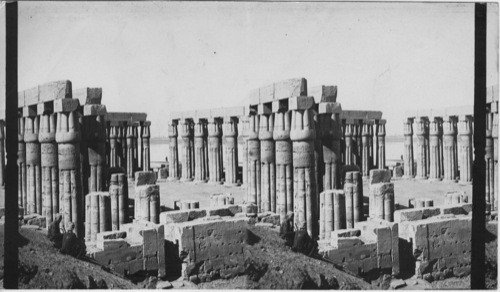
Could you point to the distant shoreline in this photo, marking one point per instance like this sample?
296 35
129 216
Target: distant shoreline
388 138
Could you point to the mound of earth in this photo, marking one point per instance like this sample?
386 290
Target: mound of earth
270 264
41 266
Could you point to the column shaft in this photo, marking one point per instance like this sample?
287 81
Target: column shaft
284 168
434 173
381 144
408 153
50 169
465 132
253 165
230 132
449 160
214 157
33 165
146 152
173 158
200 169
420 131
186 132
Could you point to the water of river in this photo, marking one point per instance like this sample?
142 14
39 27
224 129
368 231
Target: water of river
159 151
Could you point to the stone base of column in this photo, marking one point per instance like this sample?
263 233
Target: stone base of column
186 179
197 181
173 179
214 183
421 177
228 184
449 180
435 179
408 176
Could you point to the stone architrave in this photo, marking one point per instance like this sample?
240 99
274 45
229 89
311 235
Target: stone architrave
50 169
33 165
303 134
268 163
173 158
465 132
253 165
408 153
70 189
284 168
230 136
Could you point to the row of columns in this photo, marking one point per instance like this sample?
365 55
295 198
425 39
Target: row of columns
61 157
122 146
443 148
209 148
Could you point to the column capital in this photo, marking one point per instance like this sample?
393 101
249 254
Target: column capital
282 126
302 126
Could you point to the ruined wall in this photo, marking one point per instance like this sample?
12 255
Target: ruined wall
438 240
368 250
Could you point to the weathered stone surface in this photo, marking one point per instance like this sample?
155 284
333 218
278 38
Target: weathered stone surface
65 105
300 103
225 211
120 117
397 283
88 95
145 178
415 214
361 115
115 234
329 108
324 93
112 244
94 110
379 176
346 233
181 216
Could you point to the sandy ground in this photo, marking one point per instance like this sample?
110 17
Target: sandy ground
403 191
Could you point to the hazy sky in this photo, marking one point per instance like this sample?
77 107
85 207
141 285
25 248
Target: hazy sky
158 57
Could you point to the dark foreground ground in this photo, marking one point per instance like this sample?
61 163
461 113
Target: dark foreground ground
269 263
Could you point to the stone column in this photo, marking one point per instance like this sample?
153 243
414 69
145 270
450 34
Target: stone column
186 133
200 167
439 121
114 159
284 168
50 169
449 161
465 132
253 165
2 153
135 141
268 166
130 150
303 135
408 153
383 199
330 133
455 123
244 126
358 141
108 144
332 212
147 197
214 157
490 164
420 131
122 138
146 153
33 165
381 144
435 172
21 166
98 214
230 133
94 122
118 191
427 148
68 143
353 187
370 144
173 158
365 132
349 144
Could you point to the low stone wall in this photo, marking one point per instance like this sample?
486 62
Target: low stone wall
137 246
368 250
207 243
437 240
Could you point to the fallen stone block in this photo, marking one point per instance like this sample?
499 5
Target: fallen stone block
35 219
273 219
181 216
145 178
111 244
346 233
397 283
379 176
343 242
263 224
115 234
